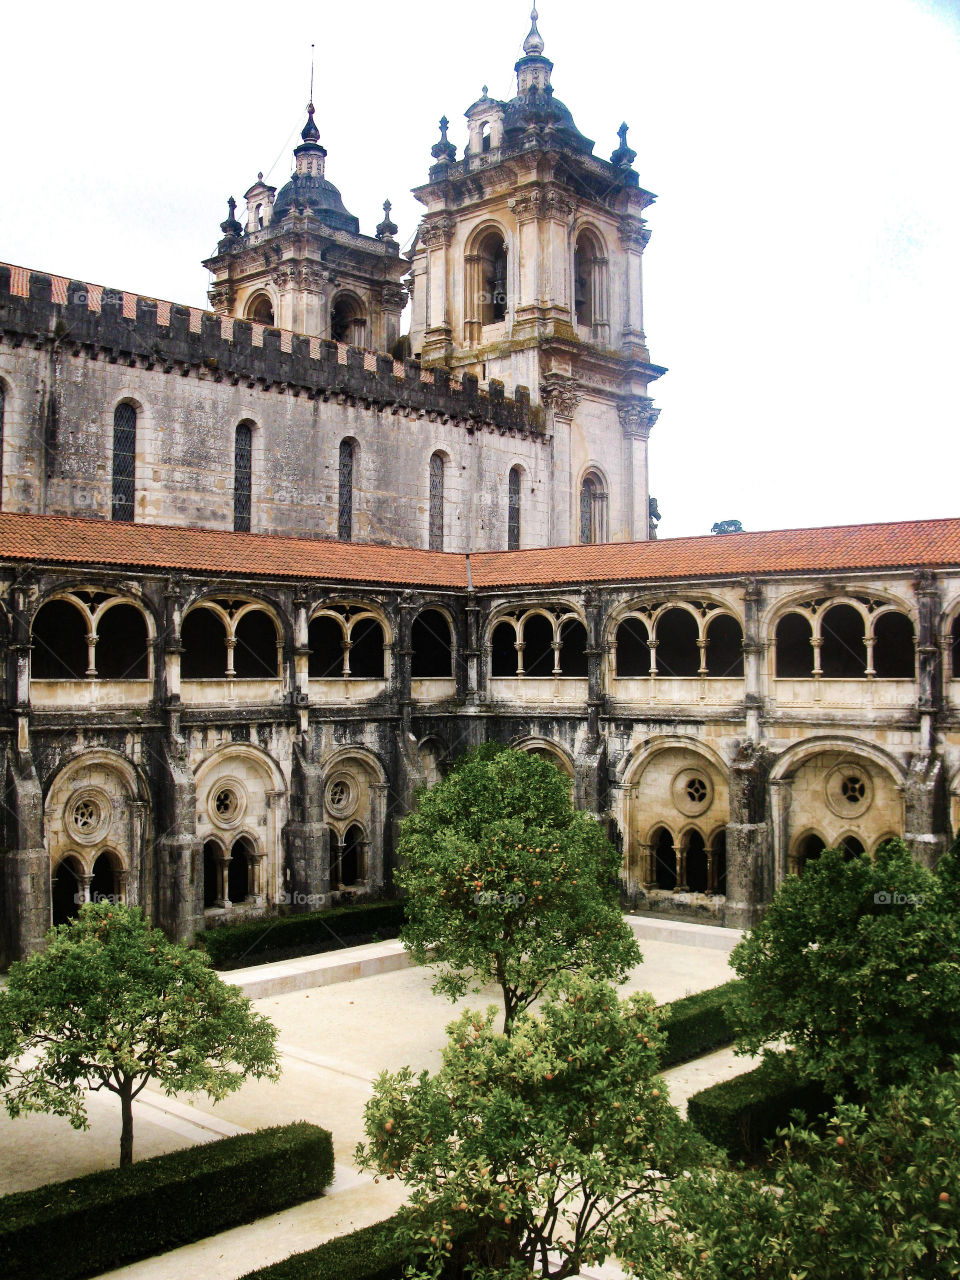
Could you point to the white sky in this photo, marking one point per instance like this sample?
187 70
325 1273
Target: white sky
803 279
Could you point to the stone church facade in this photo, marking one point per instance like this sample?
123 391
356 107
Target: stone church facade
262 577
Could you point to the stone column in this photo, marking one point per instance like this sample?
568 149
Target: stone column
752 650
560 397
306 838
930 673
634 237
177 852
637 420
523 309
749 869
403 676
436 235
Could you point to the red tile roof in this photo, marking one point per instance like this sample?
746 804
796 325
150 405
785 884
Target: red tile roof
909 544
68 540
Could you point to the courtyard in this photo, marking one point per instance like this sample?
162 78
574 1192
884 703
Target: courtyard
334 1040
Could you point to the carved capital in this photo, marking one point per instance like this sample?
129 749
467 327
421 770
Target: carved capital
638 418
633 234
221 297
282 277
438 232
562 395
528 205
394 297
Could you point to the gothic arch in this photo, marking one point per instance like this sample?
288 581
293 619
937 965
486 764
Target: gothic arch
790 760
354 795
549 750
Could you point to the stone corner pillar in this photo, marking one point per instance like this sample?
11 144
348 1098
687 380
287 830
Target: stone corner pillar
750 872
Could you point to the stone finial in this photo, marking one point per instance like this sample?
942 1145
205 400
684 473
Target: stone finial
387 229
444 152
310 132
624 156
230 226
533 45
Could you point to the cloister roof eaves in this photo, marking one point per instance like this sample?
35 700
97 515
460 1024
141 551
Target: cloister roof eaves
69 540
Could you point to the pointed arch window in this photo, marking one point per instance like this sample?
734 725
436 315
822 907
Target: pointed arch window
593 509
124 461
345 496
436 502
242 477
513 510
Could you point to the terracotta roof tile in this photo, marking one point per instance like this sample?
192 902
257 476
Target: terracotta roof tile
910 544
68 540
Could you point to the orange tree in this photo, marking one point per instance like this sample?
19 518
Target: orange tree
506 882
539 1152
856 965
112 1004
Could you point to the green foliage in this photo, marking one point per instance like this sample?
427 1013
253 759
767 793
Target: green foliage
857 965
508 883
556 1138
697 1024
875 1195
743 1114
111 1004
260 941
103 1220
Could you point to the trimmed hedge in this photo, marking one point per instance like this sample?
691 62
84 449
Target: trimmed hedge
92 1224
368 1254
697 1025
260 941
742 1114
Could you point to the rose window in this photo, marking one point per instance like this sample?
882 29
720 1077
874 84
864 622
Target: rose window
86 815
225 803
696 791
853 789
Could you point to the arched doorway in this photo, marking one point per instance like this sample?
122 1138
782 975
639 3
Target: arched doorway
105 886
66 889
664 859
238 870
697 880
351 857
212 861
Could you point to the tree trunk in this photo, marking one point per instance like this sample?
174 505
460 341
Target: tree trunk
126 1114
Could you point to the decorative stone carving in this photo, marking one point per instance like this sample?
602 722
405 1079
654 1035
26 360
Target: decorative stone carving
561 395
221 297
438 232
394 297
633 233
527 205
637 420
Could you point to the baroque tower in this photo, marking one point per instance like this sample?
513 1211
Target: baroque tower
301 263
527 268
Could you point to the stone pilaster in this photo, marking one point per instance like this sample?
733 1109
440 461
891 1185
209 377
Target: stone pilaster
749 879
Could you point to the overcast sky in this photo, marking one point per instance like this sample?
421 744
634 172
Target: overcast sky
803 278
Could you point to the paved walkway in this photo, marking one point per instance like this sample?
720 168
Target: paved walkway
335 1038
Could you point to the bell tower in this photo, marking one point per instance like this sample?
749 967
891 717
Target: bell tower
527 268
299 262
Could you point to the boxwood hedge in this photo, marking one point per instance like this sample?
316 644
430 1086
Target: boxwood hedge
742 1114
92 1224
368 1254
259 941
697 1024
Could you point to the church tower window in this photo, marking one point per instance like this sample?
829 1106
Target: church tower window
347 321
2 406
242 477
513 510
124 461
345 496
493 279
436 502
593 509
260 310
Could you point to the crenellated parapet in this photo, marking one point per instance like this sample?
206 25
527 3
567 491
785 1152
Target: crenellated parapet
125 327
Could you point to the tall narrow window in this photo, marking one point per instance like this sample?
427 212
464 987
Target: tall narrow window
513 511
1 443
124 460
242 474
593 509
345 507
436 502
